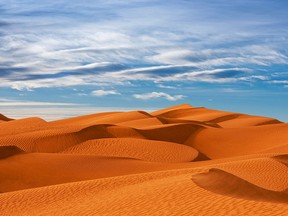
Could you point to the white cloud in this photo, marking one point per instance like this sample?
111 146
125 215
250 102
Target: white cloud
99 93
158 95
82 94
279 81
173 57
209 58
166 86
45 83
212 76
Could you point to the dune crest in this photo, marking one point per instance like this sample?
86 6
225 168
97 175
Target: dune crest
183 160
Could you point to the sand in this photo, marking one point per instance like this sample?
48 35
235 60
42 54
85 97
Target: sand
181 160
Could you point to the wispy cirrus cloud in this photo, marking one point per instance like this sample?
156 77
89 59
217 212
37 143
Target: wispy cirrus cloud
279 81
160 85
121 78
21 76
99 93
157 75
101 35
154 95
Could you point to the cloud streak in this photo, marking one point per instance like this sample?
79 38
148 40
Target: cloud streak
154 95
99 93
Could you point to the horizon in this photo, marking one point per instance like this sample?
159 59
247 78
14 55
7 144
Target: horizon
65 58
53 114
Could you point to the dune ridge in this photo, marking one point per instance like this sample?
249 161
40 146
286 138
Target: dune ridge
181 160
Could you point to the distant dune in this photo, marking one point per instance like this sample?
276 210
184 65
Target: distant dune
181 160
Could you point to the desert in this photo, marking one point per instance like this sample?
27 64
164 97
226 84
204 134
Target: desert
181 160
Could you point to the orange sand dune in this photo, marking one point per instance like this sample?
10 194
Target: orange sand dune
105 118
42 169
225 183
86 119
217 143
246 121
148 150
21 126
224 119
177 107
142 123
181 160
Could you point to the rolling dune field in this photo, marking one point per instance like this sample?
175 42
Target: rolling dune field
181 160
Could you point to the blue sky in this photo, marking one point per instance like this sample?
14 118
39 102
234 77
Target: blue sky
63 58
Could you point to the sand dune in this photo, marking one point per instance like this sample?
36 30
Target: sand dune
181 160
142 149
219 181
217 143
223 119
169 109
42 169
105 118
21 126
246 121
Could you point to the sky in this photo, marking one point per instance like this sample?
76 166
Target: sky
69 57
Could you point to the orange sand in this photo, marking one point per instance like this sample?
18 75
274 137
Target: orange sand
176 161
